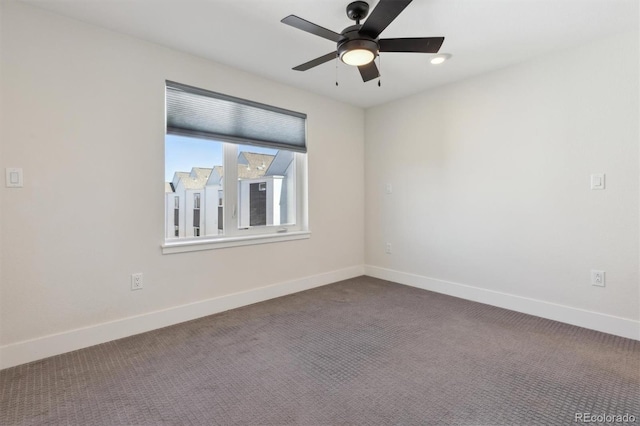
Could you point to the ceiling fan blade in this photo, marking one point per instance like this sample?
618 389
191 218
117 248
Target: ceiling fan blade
419 44
318 61
383 14
310 27
369 71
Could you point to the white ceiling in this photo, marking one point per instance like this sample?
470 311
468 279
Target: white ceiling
481 35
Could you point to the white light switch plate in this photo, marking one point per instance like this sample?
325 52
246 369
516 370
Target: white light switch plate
597 181
14 177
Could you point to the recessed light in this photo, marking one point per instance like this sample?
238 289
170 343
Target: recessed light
440 58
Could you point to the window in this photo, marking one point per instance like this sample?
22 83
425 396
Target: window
240 165
187 172
220 210
176 216
196 214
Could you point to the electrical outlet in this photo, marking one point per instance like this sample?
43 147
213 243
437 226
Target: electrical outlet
597 278
387 248
136 281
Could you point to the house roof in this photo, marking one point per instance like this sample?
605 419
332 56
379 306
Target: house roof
250 166
216 175
280 163
196 179
177 177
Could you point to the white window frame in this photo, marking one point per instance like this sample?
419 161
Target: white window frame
233 235
189 110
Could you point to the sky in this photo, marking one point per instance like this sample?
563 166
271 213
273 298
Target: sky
182 153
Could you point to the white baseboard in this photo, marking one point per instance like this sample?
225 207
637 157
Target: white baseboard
593 320
55 344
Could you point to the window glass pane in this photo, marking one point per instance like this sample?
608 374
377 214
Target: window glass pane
193 187
266 187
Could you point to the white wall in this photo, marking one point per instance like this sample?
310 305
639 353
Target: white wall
490 181
491 193
2 156
83 115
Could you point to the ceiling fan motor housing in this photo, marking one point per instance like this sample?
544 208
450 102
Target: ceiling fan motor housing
352 40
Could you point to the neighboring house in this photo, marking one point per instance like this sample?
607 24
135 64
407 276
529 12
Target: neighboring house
186 195
266 193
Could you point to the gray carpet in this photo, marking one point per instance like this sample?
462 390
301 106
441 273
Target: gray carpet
361 351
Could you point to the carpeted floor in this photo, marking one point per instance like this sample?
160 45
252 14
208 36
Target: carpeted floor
361 351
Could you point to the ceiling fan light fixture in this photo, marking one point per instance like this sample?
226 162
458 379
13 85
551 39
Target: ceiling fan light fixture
358 52
357 57
440 58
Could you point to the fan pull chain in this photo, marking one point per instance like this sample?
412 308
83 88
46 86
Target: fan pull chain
379 70
336 71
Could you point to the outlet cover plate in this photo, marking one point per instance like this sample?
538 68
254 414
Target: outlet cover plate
136 282
597 278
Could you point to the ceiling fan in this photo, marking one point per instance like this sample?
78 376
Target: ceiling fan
358 45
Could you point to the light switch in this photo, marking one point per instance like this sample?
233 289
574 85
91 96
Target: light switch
597 181
14 178
388 188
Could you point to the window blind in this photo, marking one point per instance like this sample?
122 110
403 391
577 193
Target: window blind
204 114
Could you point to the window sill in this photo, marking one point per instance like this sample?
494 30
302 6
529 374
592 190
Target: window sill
203 243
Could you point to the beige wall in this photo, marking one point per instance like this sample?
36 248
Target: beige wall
83 115
490 182
491 186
